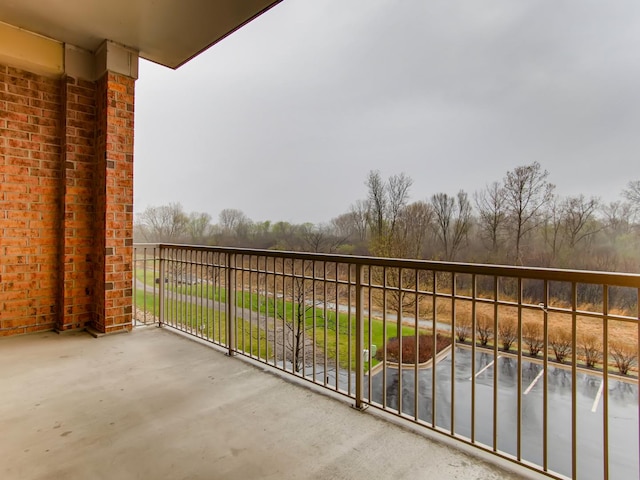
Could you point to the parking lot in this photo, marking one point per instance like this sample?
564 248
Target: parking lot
623 410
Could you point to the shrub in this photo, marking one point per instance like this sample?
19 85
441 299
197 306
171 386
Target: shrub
507 333
560 341
624 356
463 329
484 329
591 349
425 348
533 336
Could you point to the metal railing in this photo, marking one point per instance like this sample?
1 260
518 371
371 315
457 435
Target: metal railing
537 366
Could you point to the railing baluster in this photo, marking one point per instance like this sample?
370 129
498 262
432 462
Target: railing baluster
434 344
384 337
162 287
474 294
574 380
359 339
545 383
519 388
400 298
605 380
452 416
416 378
369 325
496 285
638 366
313 313
349 329
231 305
337 300
325 376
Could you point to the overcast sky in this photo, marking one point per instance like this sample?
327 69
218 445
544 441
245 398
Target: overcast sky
284 118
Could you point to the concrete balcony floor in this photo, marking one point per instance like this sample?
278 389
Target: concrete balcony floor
152 404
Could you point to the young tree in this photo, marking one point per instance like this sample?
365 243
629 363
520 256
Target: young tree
527 192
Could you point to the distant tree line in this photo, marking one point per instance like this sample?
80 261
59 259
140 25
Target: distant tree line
516 220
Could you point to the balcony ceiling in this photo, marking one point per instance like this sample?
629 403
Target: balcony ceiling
167 32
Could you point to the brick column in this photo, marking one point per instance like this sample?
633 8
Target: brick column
76 304
97 189
114 203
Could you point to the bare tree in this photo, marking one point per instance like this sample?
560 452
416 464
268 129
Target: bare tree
632 194
199 228
320 239
230 219
167 223
491 213
360 214
413 226
552 228
452 219
579 218
527 192
387 199
353 224
377 202
616 216
398 193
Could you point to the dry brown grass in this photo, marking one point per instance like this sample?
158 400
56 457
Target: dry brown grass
619 332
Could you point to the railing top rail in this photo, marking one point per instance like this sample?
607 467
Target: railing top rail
534 273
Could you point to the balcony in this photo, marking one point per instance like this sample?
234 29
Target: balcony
153 404
525 347
537 398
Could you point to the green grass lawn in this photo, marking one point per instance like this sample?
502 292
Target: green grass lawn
335 331
209 323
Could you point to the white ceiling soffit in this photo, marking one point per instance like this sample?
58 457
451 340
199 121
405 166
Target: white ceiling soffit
168 32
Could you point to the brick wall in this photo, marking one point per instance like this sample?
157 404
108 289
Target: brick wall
66 202
30 147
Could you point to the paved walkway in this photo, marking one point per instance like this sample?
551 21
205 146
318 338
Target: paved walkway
152 404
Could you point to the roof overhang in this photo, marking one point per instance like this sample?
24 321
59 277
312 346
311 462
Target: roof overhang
167 32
